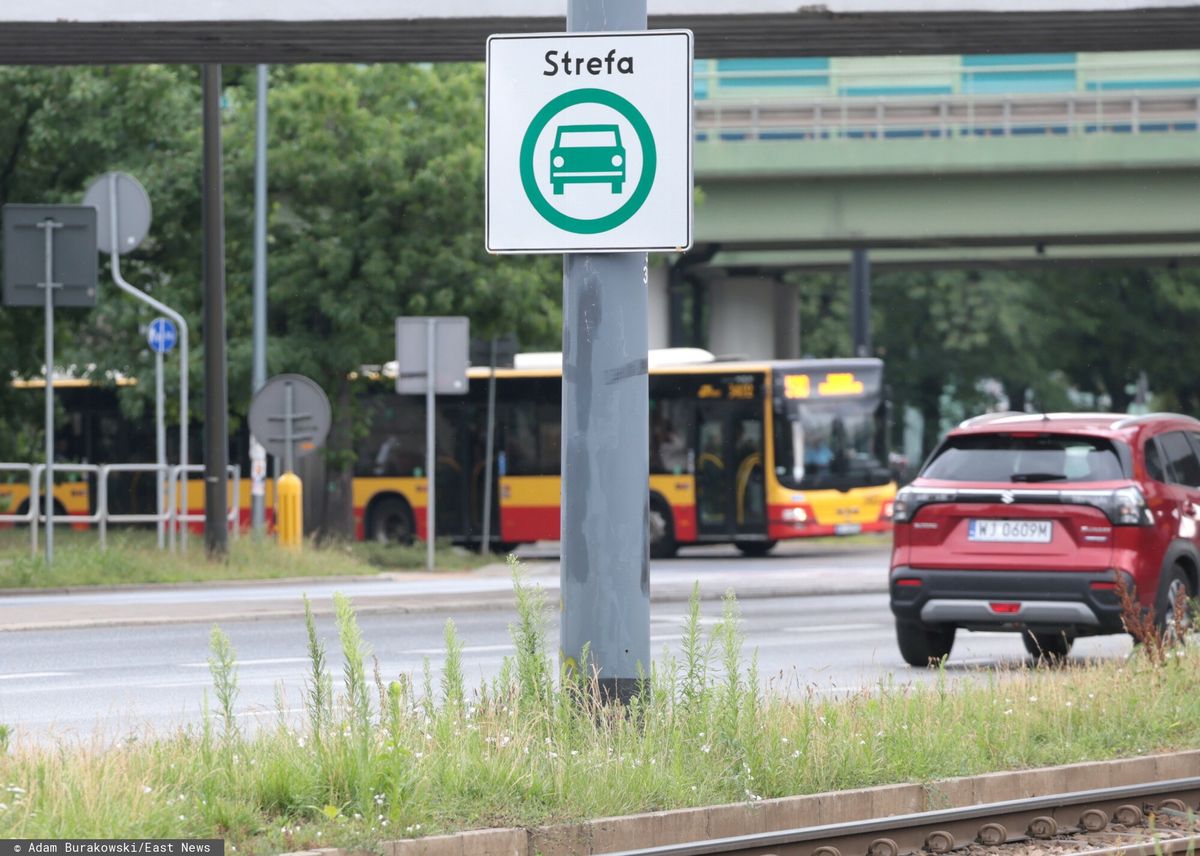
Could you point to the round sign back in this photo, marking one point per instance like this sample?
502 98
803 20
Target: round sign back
308 418
133 211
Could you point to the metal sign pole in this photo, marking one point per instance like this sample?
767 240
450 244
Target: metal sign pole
289 413
430 441
485 545
160 443
216 404
259 346
119 280
605 576
49 285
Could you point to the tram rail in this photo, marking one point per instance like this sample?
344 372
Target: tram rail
992 825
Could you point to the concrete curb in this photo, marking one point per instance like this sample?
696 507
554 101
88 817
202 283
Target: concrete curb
615 834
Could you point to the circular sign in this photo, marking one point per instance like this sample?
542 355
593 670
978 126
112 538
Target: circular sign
132 209
309 415
162 335
593 225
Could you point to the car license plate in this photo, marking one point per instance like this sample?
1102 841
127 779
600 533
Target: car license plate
1010 531
847 528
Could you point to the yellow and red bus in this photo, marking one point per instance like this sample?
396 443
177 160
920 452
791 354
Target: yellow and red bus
748 453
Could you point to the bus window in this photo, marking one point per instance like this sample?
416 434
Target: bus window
670 427
829 444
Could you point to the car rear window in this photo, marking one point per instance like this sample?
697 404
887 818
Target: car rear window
1028 458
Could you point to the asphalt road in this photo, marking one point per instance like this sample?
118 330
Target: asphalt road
831 634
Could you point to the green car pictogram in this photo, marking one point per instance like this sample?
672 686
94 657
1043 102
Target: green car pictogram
590 154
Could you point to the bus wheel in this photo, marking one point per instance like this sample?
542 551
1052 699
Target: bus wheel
662 529
390 521
755 549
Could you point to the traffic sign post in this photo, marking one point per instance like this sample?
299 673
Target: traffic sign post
49 260
123 218
161 336
589 142
432 357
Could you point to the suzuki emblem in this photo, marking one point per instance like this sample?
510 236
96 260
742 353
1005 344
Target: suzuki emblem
1006 496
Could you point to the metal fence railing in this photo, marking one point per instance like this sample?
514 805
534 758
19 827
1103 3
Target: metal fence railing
100 514
950 116
233 513
866 77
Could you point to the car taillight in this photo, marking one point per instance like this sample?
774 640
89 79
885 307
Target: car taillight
1129 508
887 511
1124 506
910 499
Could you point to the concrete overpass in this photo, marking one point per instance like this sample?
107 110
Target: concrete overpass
1003 181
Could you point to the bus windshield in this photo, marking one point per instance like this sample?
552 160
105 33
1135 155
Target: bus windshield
831 445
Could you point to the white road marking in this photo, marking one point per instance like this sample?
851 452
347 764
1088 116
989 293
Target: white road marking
267 661
19 676
467 649
834 628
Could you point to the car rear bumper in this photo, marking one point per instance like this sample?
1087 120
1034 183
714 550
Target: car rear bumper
1008 600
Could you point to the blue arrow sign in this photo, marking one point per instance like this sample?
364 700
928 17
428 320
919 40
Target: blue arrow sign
162 335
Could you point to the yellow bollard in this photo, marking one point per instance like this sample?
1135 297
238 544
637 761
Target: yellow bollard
289 511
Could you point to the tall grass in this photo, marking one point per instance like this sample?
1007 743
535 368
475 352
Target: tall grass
536 745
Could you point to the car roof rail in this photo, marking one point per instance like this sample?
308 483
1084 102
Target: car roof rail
984 418
1137 419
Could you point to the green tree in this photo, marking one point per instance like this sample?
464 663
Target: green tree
376 183
62 127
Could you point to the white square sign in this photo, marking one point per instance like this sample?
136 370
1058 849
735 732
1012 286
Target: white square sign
589 142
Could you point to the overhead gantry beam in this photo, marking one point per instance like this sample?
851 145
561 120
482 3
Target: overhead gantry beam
64 32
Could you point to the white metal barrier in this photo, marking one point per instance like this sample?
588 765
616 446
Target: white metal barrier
107 517
231 518
169 478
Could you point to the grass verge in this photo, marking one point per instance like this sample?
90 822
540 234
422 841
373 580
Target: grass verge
376 759
133 557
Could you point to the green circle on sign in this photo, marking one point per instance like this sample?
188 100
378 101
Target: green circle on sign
538 199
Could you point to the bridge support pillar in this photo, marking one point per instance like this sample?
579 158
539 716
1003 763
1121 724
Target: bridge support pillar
659 305
756 317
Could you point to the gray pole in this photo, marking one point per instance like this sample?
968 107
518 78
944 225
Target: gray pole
860 295
216 451
430 441
485 544
49 226
605 580
160 444
259 359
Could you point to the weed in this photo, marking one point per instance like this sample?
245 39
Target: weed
222 665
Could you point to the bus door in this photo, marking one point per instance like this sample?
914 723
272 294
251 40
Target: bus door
453 469
730 489
474 456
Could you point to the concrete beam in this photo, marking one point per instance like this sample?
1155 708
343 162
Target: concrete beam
981 210
836 261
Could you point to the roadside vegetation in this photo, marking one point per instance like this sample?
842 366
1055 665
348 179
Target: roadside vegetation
133 557
378 757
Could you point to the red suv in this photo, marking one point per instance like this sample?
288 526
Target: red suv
1021 521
